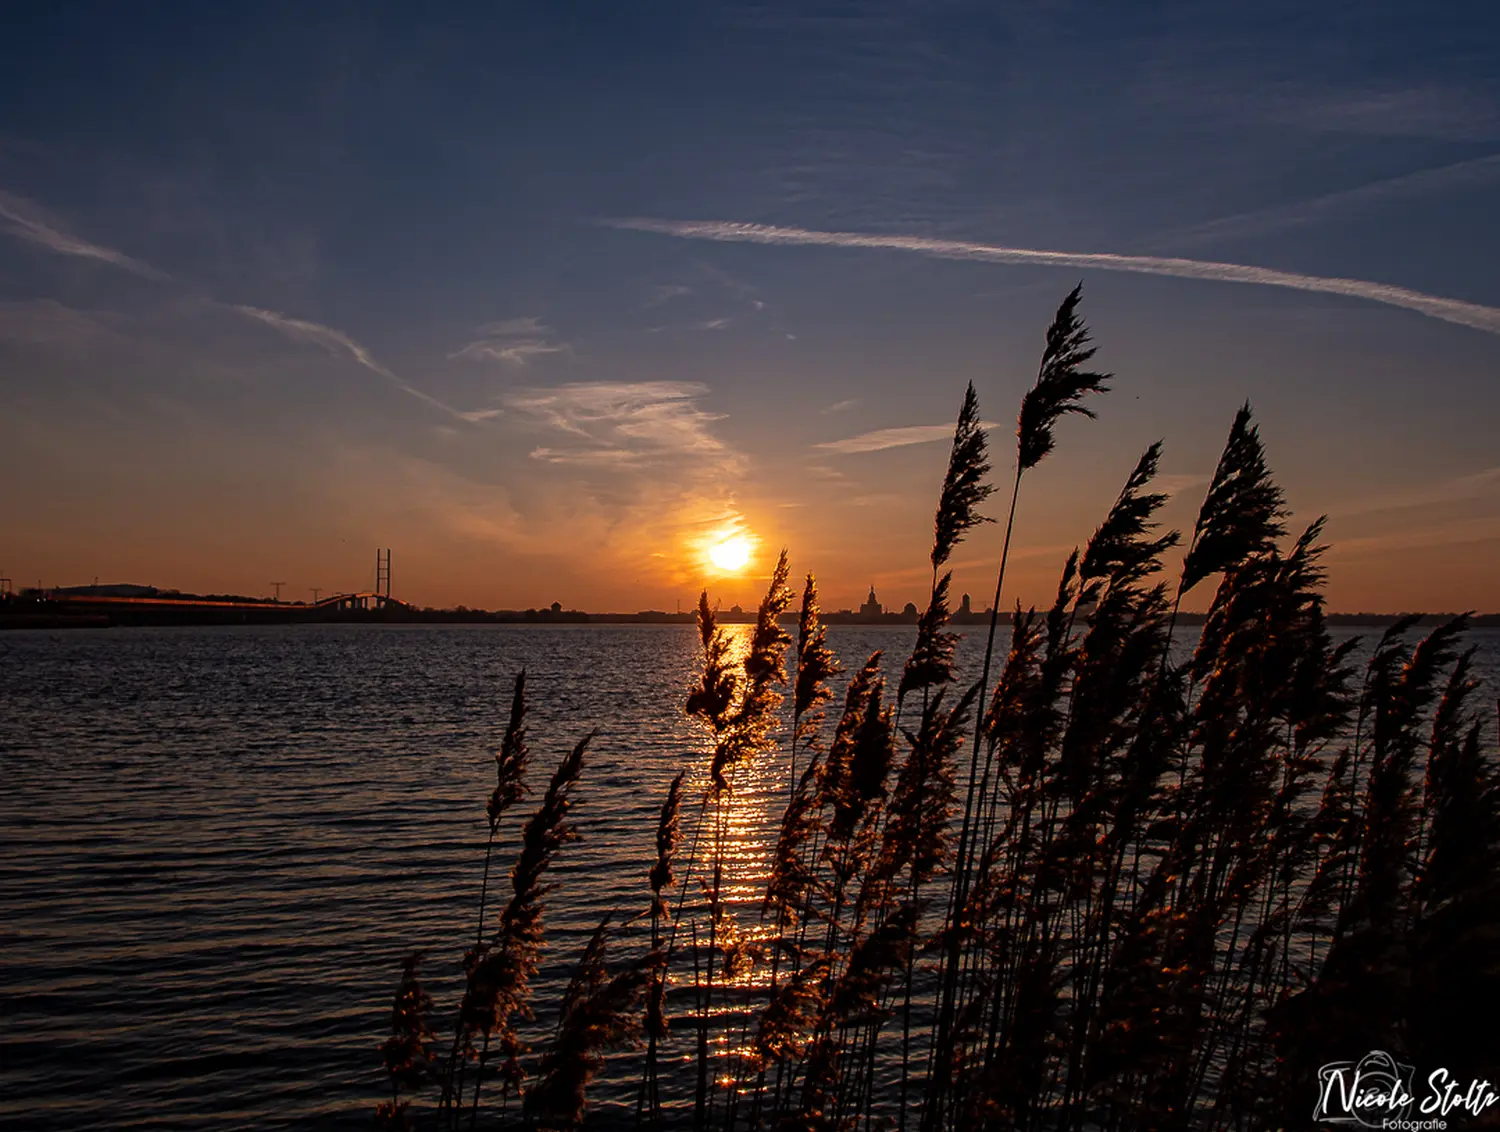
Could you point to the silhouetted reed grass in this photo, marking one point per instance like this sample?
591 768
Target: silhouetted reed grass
1164 892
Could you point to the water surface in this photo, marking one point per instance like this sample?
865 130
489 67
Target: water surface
217 843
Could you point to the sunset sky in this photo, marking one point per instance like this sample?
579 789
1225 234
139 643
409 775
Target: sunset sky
550 298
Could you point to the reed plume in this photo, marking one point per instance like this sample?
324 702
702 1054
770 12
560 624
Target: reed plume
546 833
1119 553
816 664
713 700
499 975
1461 850
870 758
836 788
852 788
1240 520
407 1053
742 729
1391 800
792 877
510 782
510 787
1061 384
599 1013
931 660
964 486
668 838
855 999
916 831
922 803
1242 513
764 667
790 1020
964 489
512 759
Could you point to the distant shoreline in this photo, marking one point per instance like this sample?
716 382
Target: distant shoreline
63 611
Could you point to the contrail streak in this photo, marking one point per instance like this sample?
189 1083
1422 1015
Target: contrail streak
335 342
1434 306
24 221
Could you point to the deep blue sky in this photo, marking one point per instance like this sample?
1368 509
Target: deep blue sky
281 283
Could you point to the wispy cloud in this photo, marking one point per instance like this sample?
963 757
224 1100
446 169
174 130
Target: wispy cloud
1434 111
1280 89
587 457
684 328
1434 306
514 340
1459 532
526 325
665 293
46 322
1458 489
1175 483
439 501
883 438
824 472
839 406
627 478
613 423
25 221
516 353
1458 175
336 342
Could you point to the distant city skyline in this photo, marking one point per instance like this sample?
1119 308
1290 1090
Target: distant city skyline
138 589
607 304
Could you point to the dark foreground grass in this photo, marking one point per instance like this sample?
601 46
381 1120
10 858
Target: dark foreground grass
1101 890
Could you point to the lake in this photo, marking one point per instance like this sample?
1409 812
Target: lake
219 842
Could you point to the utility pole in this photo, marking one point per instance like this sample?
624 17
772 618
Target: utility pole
316 590
278 586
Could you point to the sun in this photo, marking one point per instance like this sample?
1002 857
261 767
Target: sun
731 554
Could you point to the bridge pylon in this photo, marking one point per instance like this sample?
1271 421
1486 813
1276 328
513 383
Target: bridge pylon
383 572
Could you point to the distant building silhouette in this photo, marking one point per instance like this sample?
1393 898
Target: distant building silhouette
871 607
910 610
557 607
963 606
